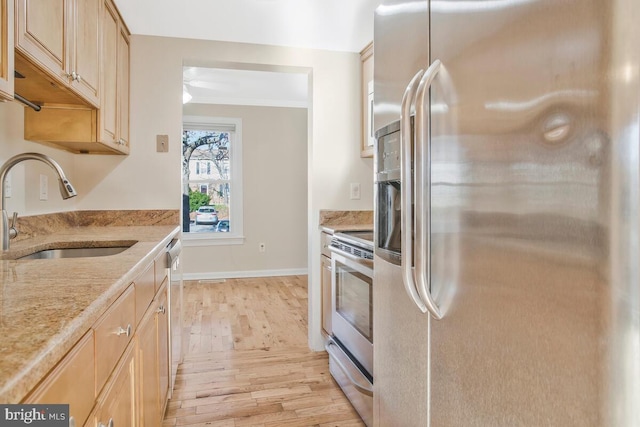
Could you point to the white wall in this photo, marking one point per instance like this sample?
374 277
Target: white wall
334 130
149 180
274 164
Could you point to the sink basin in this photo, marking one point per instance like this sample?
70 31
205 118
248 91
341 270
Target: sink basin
75 252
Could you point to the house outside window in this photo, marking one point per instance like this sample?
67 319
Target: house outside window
212 177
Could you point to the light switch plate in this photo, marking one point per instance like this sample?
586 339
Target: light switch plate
162 143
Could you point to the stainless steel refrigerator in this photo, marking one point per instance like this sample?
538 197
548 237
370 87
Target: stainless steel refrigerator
506 282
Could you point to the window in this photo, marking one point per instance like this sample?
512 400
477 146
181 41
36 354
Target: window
212 179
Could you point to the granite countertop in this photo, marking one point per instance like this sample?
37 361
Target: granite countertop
47 305
336 221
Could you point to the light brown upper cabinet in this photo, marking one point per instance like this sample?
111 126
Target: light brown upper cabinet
115 107
366 90
61 38
78 127
6 49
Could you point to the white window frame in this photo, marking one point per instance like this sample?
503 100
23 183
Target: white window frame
235 236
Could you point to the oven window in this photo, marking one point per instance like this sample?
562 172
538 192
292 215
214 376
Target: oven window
354 301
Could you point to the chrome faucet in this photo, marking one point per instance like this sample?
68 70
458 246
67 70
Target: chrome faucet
66 191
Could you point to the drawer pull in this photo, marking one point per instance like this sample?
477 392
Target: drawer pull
122 331
161 309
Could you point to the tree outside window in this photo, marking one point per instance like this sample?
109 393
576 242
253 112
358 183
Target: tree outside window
206 169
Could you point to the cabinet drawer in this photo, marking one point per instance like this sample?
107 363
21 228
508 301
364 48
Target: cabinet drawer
145 290
112 333
325 241
72 381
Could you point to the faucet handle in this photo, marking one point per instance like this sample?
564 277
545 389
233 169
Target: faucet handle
13 231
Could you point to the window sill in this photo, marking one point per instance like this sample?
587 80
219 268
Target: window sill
211 239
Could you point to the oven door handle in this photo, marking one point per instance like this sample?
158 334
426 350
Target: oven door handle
367 262
362 388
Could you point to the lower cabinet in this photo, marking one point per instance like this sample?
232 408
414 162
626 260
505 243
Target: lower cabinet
162 320
117 374
72 382
117 407
325 280
153 363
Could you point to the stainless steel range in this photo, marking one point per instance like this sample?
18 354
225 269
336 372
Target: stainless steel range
351 346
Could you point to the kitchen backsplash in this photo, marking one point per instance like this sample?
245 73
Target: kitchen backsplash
31 226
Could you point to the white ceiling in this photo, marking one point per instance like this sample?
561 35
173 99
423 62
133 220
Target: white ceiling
342 25
339 25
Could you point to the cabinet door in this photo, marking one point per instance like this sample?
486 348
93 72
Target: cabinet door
71 382
6 49
114 112
123 88
162 319
85 51
41 34
149 383
119 401
366 88
108 99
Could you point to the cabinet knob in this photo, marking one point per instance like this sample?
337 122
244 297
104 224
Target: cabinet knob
122 331
161 309
74 76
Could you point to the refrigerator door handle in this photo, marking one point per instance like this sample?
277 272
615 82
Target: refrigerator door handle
406 192
422 172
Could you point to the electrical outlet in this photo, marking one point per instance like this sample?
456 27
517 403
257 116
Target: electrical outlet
355 191
44 187
262 247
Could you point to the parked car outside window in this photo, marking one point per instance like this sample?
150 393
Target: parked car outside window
206 215
223 226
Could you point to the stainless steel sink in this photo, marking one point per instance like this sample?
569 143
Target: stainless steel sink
75 252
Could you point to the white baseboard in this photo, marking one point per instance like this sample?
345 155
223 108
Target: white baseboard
244 274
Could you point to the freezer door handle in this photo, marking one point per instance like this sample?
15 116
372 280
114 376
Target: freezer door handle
422 179
406 192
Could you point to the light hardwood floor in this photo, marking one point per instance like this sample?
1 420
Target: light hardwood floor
248 363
